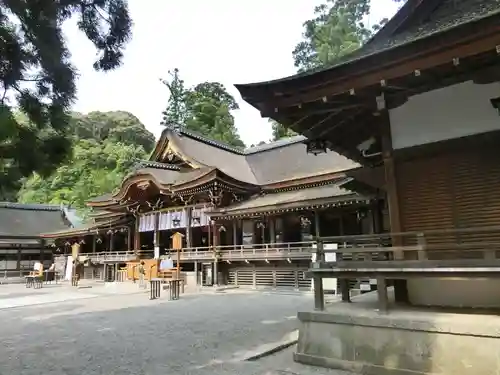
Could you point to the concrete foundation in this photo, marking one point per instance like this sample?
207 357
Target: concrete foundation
407 341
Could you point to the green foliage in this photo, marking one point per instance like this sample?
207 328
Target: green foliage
175 113
205 108
336 30
37 77
106 146
114 126
279 131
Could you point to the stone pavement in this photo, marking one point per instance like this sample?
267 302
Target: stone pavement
125 334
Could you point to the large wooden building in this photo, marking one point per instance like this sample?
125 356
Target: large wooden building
20 226
418 105
248 217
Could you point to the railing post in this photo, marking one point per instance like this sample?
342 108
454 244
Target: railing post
319 295
422 253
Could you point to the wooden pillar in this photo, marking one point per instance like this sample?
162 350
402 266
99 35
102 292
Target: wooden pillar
156 237
319 295
137 234
235 232
196 272
94 243
383 300
129 239
316 224
215 245
344 290
42 249
272 230
400 285
189 234
111 237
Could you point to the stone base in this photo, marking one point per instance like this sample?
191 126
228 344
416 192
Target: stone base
406 341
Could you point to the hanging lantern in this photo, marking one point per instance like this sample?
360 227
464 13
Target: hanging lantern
109 232
196 220
98 240
176 222
82 242
316 147
304 222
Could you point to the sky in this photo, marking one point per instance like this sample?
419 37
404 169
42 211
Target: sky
225 41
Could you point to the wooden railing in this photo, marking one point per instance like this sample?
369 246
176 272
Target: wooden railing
112 256
291 250
470 246
463 253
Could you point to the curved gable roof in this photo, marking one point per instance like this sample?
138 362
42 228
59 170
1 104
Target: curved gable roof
283 160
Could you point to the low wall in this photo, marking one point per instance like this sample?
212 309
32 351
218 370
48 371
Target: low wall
483 293
361 340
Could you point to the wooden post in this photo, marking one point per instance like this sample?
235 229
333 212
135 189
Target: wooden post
94 243
235 232
129 239
111 242
137 234
156 237
319 295
400 285
272 230
344 290
189 235
177 245
383 299
316 224
42 249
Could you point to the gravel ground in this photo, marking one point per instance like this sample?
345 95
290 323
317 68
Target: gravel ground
199 334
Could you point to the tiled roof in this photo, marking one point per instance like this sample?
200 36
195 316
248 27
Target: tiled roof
293 199
285 159
30 219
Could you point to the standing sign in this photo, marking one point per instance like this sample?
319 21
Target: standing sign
177 245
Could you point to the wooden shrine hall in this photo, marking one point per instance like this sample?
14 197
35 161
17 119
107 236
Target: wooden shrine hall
247 216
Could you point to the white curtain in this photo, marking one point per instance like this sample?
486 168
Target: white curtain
147 223
199 218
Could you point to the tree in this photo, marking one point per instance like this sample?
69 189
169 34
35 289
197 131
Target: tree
279 131
336 30
205 108
37 77
116 126
175 113
100 160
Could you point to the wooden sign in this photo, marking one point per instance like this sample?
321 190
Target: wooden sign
177 240
177 245
75 250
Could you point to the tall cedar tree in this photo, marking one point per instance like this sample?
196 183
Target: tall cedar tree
36 76
336 30
205 108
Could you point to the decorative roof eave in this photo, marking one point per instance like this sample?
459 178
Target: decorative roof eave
300 206
89 229
302 182
370 69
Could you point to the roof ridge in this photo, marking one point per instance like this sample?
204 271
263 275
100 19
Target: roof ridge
31 206
282 142
156 164
212 142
